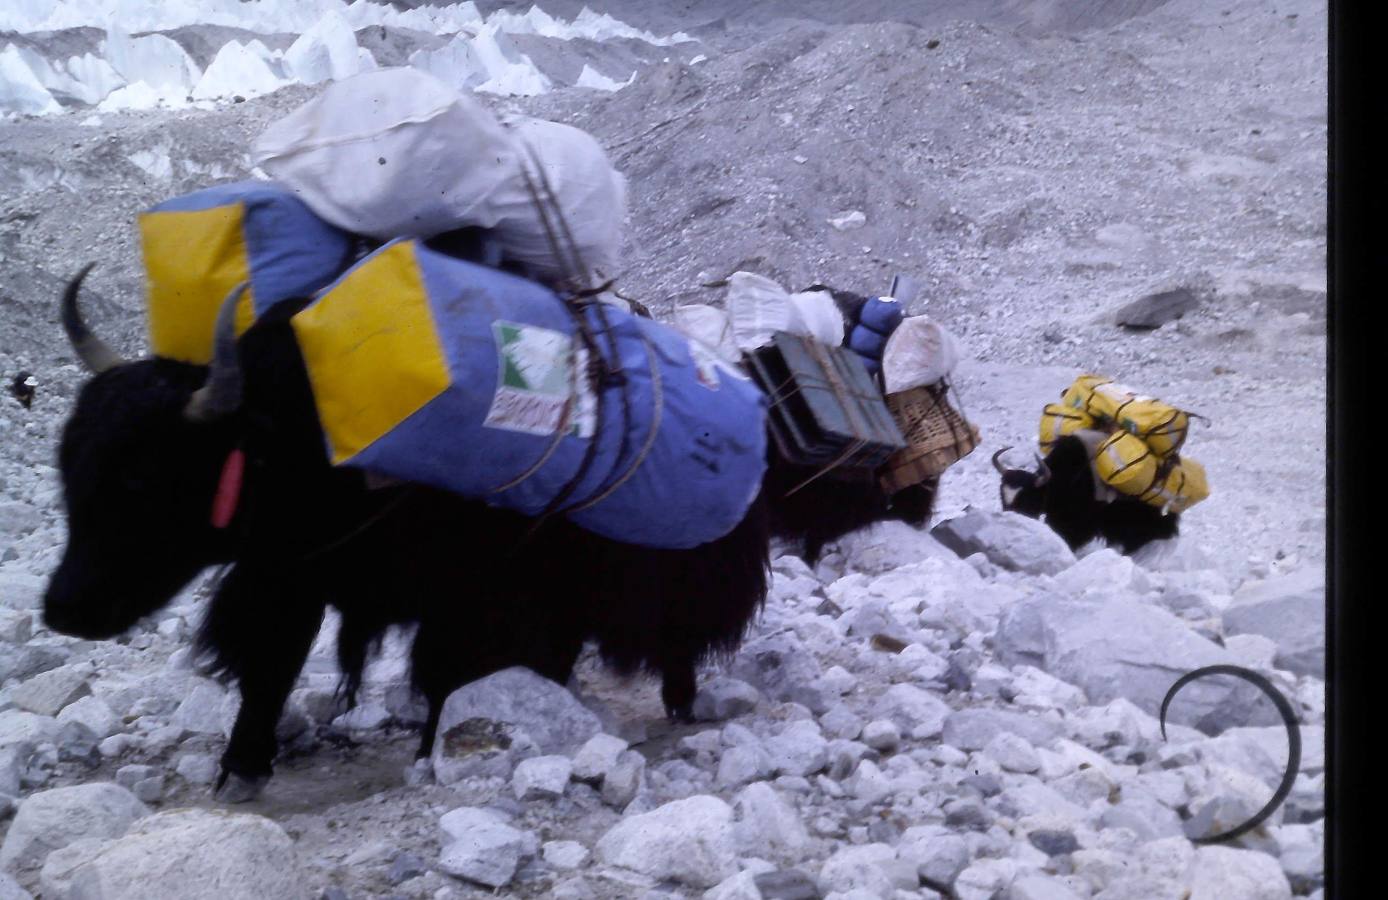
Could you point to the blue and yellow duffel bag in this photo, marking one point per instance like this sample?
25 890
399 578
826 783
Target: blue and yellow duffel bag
199 246
435 370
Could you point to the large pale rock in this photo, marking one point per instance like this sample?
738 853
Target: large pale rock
1013 753
779 665
800 749
742 764
767 823
1040 887
1104 570
1173 555
1291 611
597 757
1010 540
19 728
52 819
11 889
48 692
860 868
1226 873
488 726
937 852
24 660
93 715
1113 647
974 728
16 626
690 841
1301 853
884 546
623 781
185 854
915 711
1143 815
201 710
541 777
480 846
20 590
724 698
985 878
742 886
546 711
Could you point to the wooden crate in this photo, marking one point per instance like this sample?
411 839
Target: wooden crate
826 410
936 433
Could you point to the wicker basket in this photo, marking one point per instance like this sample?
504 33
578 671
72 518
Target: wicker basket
936 436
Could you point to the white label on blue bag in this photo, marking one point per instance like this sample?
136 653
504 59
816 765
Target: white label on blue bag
538 388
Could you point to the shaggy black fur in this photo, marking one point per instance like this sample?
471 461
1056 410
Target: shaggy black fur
834 505
1068 504
485 587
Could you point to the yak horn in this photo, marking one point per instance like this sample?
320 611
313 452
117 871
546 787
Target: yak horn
997 460
94 353
1043 471
221 395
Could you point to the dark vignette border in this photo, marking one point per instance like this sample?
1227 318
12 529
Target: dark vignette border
1356 102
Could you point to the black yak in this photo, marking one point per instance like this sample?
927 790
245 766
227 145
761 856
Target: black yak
169 468
1065 490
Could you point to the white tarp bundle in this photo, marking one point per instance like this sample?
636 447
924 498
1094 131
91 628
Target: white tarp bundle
758 307
919 352
399 153
709 325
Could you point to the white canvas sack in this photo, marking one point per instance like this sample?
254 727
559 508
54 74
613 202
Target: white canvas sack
391 153
919 352
708 325
758 307
591 194
399 153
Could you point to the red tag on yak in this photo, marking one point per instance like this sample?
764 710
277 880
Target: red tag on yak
228 489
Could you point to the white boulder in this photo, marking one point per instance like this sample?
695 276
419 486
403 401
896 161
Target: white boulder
52 819
690 841
185 854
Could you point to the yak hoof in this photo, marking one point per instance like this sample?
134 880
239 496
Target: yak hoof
420 772
233 788
681 715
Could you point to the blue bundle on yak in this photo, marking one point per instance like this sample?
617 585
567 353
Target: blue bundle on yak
199 246
436 370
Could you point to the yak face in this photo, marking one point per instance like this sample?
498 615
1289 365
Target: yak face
140 459
138 482
1022 491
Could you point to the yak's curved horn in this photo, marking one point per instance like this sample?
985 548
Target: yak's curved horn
221 395
997 460
1293 742
94 353
1043 471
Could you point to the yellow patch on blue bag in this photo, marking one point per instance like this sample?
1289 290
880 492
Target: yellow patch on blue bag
371 349
193 260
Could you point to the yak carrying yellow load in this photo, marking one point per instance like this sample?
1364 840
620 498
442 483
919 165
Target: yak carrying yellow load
1140 456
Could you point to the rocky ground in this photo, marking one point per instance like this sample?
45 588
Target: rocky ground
971 708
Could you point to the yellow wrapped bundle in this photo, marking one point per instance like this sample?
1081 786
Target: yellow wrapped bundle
1058 420
1126 464
1183 486
1160 425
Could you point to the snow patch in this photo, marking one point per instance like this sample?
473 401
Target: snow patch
21 91
327 51
152 70
590 78
239 70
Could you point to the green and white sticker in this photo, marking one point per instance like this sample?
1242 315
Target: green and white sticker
539 389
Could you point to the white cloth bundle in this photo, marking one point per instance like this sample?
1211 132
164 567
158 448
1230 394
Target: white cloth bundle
399 153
